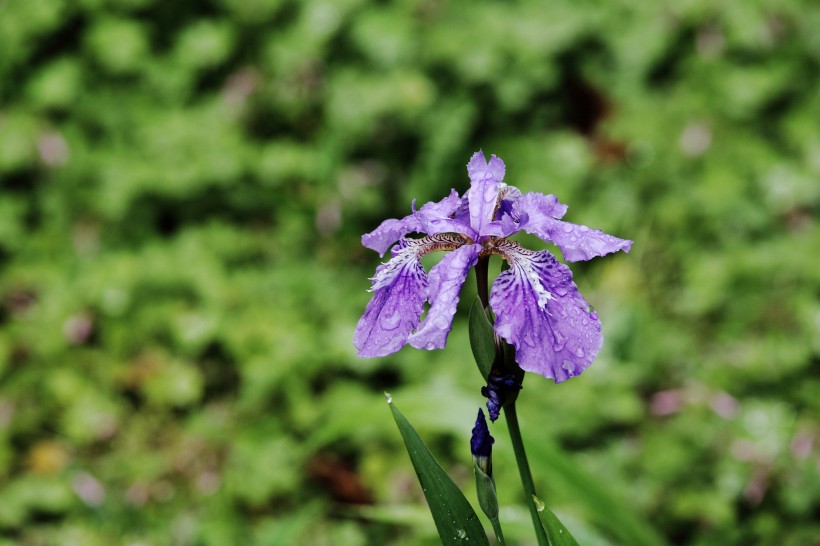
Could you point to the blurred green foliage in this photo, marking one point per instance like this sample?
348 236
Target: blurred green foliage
182 191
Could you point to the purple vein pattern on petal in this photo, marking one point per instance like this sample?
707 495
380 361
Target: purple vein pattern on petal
484 178
399 292
433 217
445 280
541 313
539 214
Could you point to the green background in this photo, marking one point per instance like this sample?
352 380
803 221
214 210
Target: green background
183 187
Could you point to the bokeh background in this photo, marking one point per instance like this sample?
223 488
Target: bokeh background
183 187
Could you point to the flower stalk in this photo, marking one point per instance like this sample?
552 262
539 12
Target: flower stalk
524 470
482 273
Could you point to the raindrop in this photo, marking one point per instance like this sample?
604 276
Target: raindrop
389 397
461 533
389 322
568 228
441 322
580 352
539 504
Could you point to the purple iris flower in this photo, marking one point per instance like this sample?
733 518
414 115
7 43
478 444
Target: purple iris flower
537 305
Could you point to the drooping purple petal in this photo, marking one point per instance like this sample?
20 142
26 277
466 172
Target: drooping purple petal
445 280
541 313
432 218
484 182
539 214
399 292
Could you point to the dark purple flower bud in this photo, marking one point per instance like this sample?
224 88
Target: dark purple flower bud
497 391
481 444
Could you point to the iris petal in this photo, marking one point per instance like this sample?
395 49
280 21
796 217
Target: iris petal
541 313
399 292
485 179
445 281
432 218
539 214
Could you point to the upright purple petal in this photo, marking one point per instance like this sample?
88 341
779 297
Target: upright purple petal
445 279
432 218
539 214
399 292
485 179
541 313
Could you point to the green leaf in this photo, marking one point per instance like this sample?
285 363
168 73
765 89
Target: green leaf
482 338
556 532
455 519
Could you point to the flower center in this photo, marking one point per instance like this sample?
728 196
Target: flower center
441 241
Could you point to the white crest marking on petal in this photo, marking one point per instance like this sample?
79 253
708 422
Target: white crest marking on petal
520 258
543 294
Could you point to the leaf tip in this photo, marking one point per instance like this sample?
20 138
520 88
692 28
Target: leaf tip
389 397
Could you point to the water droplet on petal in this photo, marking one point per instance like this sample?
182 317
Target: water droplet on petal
389 322
441 322
568 228
580 352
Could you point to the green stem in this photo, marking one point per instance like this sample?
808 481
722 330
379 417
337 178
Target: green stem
482 282
524 471
499 535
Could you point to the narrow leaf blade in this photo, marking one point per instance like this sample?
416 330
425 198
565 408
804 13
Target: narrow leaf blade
556 531
482 338
455 519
